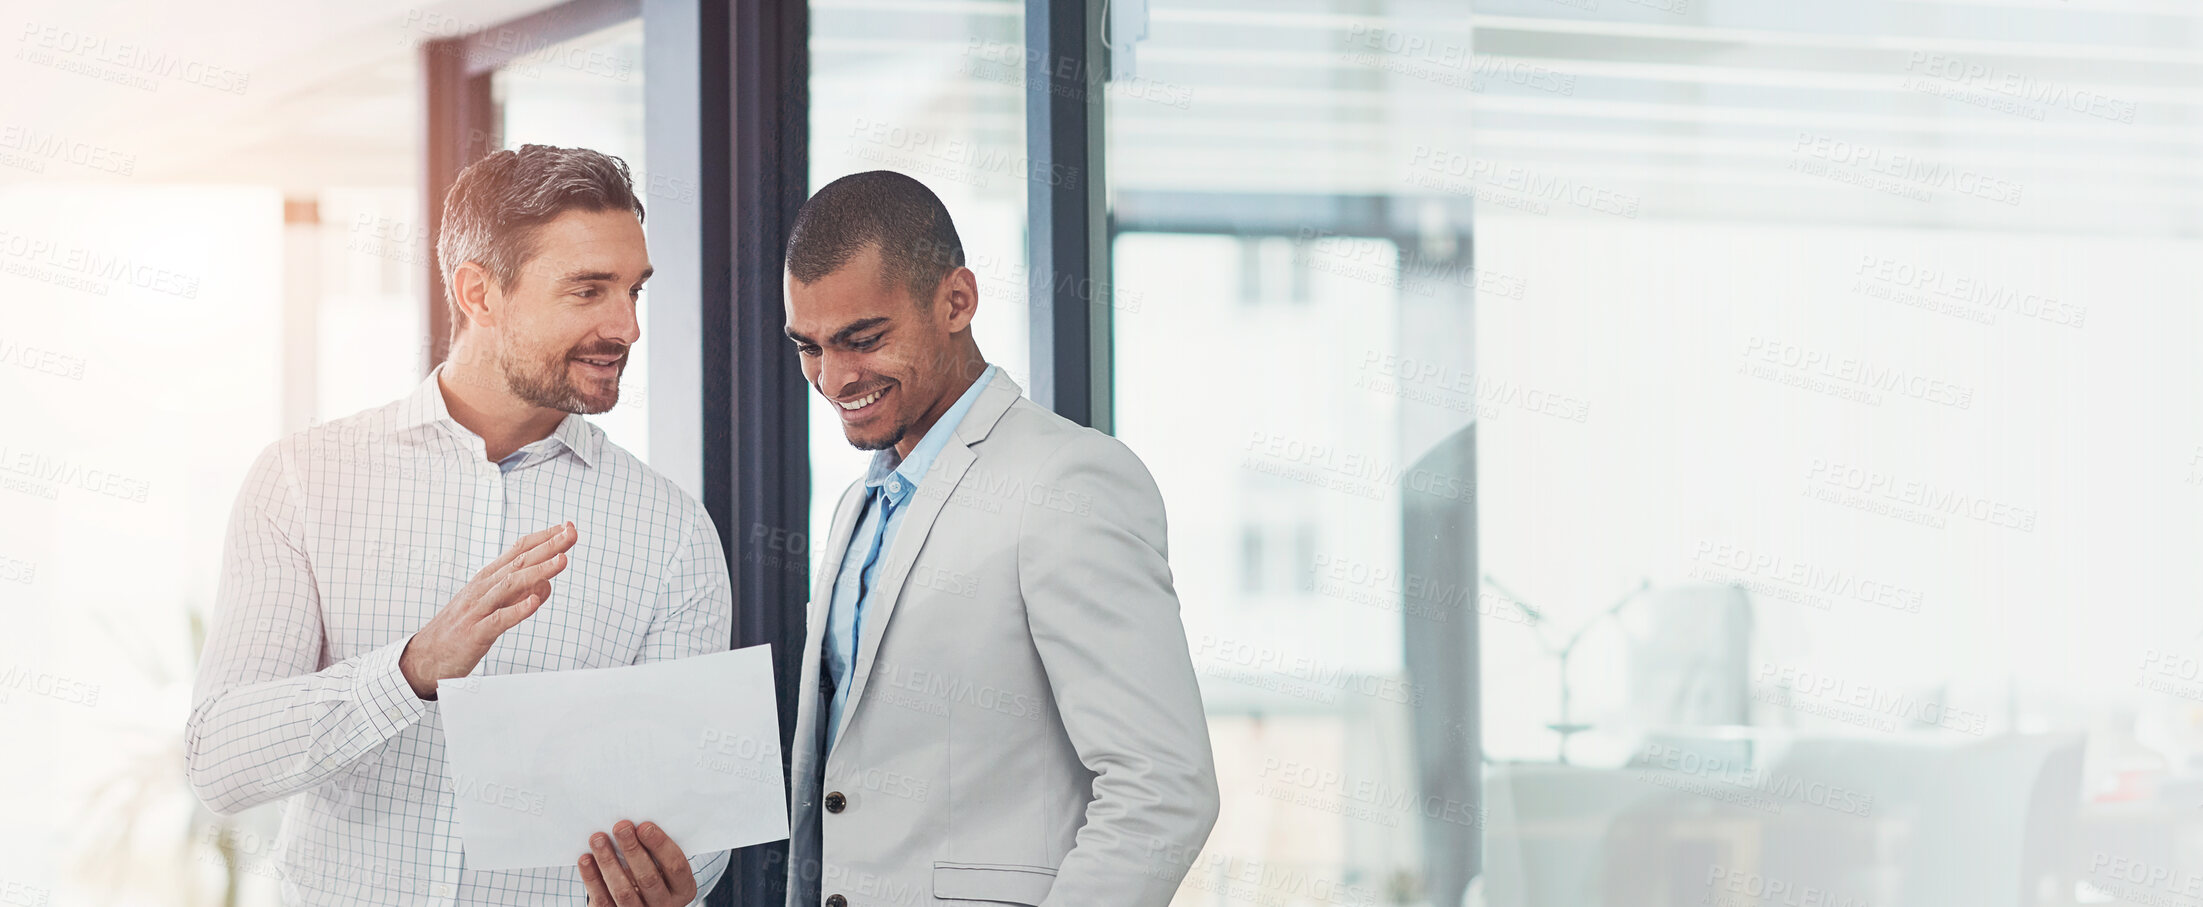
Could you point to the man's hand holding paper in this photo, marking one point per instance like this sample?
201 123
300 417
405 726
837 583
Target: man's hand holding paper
544 762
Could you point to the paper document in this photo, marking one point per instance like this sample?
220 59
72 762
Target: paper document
542 761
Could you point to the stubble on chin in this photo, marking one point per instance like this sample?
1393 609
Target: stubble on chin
880 442
551 386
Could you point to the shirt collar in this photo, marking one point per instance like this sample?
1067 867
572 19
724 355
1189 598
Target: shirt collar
899 480
426 406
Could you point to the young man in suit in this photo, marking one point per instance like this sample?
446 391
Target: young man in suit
998 705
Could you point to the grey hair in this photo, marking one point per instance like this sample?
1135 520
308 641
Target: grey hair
496 205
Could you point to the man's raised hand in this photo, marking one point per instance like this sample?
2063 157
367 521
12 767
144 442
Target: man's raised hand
498 599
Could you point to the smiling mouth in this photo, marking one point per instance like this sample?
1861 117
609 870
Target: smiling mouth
601 361
862 402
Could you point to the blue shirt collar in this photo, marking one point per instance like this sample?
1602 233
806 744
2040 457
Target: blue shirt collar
899 480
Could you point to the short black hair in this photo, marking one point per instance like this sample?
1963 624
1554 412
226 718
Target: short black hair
904 219
496 205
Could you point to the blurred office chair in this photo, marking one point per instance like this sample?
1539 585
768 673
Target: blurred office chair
1548 827
1689 652
1981 823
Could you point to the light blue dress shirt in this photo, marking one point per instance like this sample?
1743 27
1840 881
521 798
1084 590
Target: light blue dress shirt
889 486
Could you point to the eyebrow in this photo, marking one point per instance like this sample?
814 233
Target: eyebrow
600 276
842 336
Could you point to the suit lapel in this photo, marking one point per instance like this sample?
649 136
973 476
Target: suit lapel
837 548
934 492
925 506
808 711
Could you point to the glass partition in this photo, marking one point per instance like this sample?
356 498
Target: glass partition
1292 326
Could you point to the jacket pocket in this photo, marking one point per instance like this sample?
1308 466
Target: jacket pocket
994 883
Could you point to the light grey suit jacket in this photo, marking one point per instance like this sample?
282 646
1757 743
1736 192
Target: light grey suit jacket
1023 725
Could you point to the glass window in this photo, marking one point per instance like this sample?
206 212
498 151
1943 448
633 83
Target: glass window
1862 331
1291 323
936 91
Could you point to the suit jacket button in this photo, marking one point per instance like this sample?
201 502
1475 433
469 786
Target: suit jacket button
835 900
835 801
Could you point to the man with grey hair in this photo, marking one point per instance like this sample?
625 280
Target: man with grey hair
477 526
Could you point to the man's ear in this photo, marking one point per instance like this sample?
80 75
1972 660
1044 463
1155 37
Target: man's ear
958 298
477 294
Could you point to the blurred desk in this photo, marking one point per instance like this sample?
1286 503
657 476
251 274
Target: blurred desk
2115 842
1901 822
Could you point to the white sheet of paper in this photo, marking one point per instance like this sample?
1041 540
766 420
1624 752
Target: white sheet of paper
542 761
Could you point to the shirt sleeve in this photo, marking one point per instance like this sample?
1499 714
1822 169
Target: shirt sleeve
265 723
697 619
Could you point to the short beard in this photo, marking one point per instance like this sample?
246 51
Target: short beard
893 439
550 384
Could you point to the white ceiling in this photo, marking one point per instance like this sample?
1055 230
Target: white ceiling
329 88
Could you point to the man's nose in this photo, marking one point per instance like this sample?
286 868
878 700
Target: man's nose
837 372
628 327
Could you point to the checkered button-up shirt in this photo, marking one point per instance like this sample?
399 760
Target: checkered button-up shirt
345 540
